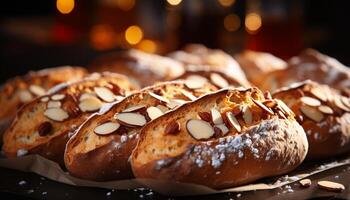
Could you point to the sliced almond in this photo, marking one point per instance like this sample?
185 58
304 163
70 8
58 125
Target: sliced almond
338 102
223 128
233 121
86 96
218 80
199 129
90 104
132 119
195 83
104 93
284 108
247 115
44 99
160 98
331 186
106 128
56 114
54 104
189 95
173 103
305 182
57 97
25 96
216 116
328 93
154 112
311 113
318 92
164 109
134 108
263 107
37 90
310 101
325 109
118 97
345 101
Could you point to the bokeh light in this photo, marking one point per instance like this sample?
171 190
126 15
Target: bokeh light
133 34
103 37
125 5
174 2
232 22
253 22
65 6
148 46
226 3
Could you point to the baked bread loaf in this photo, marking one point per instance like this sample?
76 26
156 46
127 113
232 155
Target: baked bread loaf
217 78
42 126
258 64
101 147
198 57
143 68
22 89
223 139
310 64
324 115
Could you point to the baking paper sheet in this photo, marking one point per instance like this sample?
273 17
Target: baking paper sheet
51 170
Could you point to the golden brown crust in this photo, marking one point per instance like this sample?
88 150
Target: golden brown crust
42 126
310 64
269 142
97 157
324 115
144 68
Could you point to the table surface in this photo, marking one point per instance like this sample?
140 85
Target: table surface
25 185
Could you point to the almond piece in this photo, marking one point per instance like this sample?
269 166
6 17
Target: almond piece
56 114
134 108
218 80
325 109
216 116
263 107
270 103
345 101
163 108
44 128
106 128
247 115
172 128
25 96
57 97
284 108
189 95
37 90
338 102
199 129
233 121
104 93
118 97
331 186
195 81
311 113
305 182
154 112
160 98
310 101
90 104
318 93
175 103
44 99
132 119
205 116
86 96
53 104
223 128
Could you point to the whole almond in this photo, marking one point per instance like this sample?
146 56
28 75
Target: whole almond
44 128
172 128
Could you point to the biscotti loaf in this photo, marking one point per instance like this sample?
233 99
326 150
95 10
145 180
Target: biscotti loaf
101 147
42 126
224 139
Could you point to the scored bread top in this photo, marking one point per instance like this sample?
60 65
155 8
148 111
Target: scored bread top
116 129
23 89
66 106
218 137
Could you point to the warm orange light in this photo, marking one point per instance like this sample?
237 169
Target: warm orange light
227 3
232 22
126 4
174 2
148 46
103 37
133 34
65 6
253 22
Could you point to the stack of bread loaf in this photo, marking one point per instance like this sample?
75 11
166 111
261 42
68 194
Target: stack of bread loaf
196 116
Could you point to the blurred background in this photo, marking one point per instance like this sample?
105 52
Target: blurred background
45 33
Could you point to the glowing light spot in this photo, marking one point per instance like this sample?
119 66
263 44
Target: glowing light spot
226 3
253 22
126 5
148 46
65 6
174 2
103 37
232 22
133 34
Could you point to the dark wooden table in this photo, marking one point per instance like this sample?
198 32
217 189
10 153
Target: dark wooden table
24 185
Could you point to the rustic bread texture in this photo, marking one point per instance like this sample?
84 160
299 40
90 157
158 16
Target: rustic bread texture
37 131
105 157
271 144
328 129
